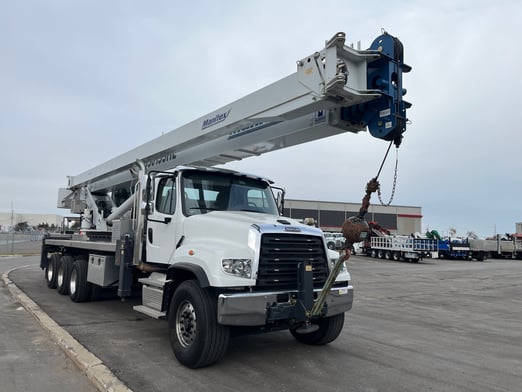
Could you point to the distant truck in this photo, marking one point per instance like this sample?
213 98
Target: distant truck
334 240
392 247
454 248
499 248
479 249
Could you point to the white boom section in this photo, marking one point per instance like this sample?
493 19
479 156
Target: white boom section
299 108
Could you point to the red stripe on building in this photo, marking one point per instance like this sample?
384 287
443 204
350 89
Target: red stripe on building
409 216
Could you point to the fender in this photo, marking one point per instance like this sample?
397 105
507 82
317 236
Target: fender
178 273
193 269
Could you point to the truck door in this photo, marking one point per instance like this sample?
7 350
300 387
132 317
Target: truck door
161 220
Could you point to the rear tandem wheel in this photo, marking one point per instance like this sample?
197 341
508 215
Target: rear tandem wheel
51 270
63 274
79 289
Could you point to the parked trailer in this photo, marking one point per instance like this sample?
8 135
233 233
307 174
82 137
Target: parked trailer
518 249
479 249
401 248
498 248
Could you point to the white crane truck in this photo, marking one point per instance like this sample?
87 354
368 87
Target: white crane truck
209 248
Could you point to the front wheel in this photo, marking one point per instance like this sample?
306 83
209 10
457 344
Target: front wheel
329 330
196 338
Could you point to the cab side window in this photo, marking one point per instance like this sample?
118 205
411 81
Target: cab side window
166 196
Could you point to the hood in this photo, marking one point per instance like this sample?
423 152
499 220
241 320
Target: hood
235 225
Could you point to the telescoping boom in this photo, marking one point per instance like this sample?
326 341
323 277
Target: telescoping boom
334 90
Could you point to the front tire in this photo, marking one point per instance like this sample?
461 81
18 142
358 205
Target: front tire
196 338
329 330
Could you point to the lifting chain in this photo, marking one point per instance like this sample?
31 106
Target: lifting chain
394 178
352 229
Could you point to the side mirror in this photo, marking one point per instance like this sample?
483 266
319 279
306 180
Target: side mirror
147 208
280 199
148 196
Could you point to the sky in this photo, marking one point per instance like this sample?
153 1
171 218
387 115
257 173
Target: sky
83 81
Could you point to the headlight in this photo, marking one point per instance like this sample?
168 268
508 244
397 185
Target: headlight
237 267
333 256
343 267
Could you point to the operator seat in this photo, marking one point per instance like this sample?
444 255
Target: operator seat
222 201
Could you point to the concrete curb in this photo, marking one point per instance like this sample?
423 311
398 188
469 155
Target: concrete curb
95 370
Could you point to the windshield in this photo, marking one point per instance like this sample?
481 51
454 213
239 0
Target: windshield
208 191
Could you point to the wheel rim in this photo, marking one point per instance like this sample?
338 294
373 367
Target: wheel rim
72 284
59 277
50 272
186 325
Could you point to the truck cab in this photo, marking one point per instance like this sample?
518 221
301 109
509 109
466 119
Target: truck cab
176 199
218 235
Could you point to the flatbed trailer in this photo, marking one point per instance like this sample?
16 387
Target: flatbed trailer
401 248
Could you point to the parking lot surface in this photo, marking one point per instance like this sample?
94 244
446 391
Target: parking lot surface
29 359
437 325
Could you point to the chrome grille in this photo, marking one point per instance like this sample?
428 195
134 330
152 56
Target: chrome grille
280 256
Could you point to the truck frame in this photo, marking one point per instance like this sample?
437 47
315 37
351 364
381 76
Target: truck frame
208 247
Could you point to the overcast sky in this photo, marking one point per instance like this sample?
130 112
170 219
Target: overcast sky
83 81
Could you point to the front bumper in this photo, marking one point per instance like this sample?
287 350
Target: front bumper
254 309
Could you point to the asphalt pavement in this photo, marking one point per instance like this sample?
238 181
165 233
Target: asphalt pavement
30 360
437 325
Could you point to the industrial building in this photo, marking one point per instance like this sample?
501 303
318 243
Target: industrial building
329 216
